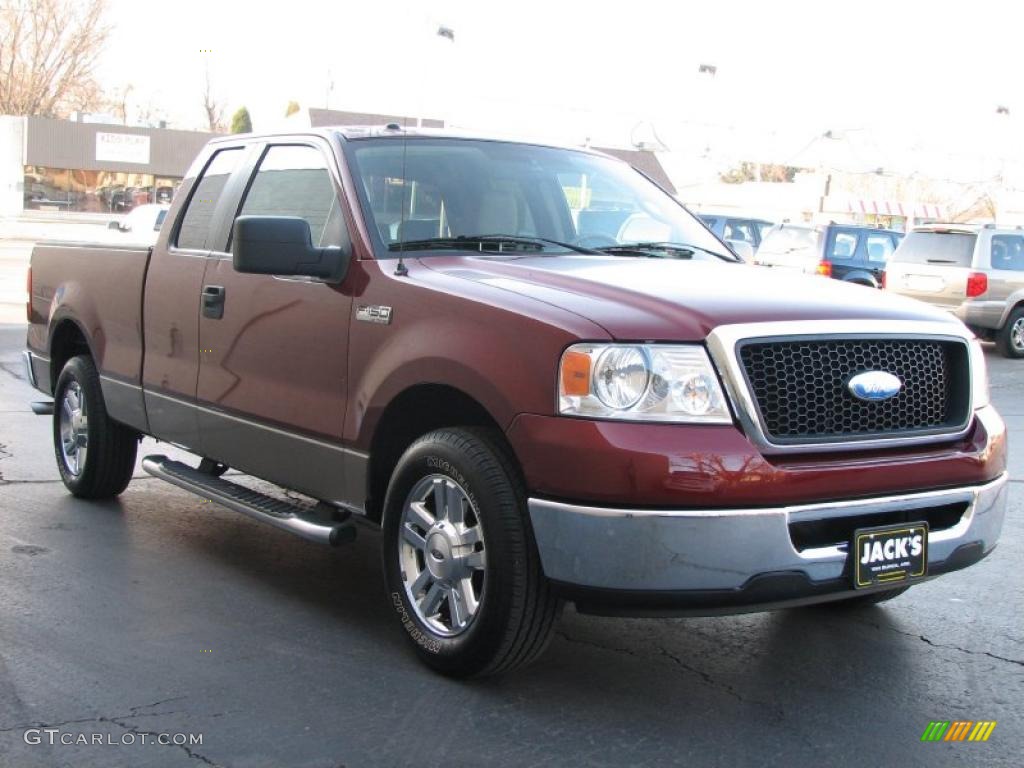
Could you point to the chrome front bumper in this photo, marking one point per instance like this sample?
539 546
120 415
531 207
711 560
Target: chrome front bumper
712 550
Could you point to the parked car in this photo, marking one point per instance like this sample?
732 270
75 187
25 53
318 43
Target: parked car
977 273
639 424
737 229
144 221
852 253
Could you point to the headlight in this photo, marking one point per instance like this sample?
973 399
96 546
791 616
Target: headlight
641 382
979 376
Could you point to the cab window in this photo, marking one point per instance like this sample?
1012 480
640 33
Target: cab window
195 223
293 180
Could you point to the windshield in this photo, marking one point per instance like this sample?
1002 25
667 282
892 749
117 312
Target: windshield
936 248
423 188
789 239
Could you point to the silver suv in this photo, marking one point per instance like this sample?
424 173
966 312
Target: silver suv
977 273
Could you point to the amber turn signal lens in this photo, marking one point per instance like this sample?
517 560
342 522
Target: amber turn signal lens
576 374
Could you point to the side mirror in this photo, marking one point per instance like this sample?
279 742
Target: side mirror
281 245
743 249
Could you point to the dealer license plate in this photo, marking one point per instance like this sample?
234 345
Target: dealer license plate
889 554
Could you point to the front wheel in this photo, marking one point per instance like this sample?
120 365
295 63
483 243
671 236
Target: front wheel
462 570
95 455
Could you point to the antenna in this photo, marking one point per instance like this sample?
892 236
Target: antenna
400 269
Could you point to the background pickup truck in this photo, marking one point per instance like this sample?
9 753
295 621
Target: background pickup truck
441 336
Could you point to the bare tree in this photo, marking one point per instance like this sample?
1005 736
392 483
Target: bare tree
120 102
213 106
48 53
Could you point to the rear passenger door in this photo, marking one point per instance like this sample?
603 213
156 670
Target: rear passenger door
171 302
273 358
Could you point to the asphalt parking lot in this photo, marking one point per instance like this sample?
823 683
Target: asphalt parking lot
160 613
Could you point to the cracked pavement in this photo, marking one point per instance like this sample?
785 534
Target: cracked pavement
282 653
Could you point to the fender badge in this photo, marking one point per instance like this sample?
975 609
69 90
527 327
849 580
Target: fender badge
374 313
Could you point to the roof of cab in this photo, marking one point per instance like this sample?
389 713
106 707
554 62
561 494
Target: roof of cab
396 131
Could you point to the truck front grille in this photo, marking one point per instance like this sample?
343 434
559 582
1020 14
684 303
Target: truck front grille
799 387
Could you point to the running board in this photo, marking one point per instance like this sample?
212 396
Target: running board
280 514
42 407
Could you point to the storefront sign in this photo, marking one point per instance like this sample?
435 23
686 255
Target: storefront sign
122 148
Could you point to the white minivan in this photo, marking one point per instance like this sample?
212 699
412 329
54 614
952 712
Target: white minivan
977 273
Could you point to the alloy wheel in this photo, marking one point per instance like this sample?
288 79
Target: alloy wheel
441 555
74 429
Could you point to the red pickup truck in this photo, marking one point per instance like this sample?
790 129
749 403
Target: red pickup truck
541 376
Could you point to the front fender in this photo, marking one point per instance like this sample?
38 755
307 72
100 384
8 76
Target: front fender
504 377
498 347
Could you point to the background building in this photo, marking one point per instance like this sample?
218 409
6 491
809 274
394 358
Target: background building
104 168
62 165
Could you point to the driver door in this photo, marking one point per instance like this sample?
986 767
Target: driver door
273 352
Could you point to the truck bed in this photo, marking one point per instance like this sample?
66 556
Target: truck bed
99 288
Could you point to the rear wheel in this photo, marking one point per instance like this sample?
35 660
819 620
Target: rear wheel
461 566
1010 339
95 455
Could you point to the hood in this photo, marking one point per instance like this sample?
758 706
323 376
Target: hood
640 299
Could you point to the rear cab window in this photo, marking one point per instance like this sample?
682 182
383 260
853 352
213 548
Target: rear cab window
954 249
194 231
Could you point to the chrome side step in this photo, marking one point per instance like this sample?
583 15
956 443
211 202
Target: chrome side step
280 514
42 407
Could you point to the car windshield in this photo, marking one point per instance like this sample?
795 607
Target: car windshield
789 239
949 248
450 191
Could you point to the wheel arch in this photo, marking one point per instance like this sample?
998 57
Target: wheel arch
67 339
1013 303
412 413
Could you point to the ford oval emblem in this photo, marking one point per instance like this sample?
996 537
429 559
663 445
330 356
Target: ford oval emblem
873 386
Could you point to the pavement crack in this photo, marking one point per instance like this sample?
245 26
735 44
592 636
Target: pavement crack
122 722
933 644
98 719
705 677
193 755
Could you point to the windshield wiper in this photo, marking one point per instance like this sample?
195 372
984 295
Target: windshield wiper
654 249
480 243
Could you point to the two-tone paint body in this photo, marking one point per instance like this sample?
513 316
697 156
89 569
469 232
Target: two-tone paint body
291 387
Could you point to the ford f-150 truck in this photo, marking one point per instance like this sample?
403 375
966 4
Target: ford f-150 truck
540 375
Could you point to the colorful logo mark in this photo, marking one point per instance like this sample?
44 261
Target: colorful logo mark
958 730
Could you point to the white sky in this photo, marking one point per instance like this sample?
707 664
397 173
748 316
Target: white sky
910 85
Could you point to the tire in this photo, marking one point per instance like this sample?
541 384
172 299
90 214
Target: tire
1010 338
862 601
99 458
479 549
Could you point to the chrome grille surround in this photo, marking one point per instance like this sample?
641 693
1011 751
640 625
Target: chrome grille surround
725 342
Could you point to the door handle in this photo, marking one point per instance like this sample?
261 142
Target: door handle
213 301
